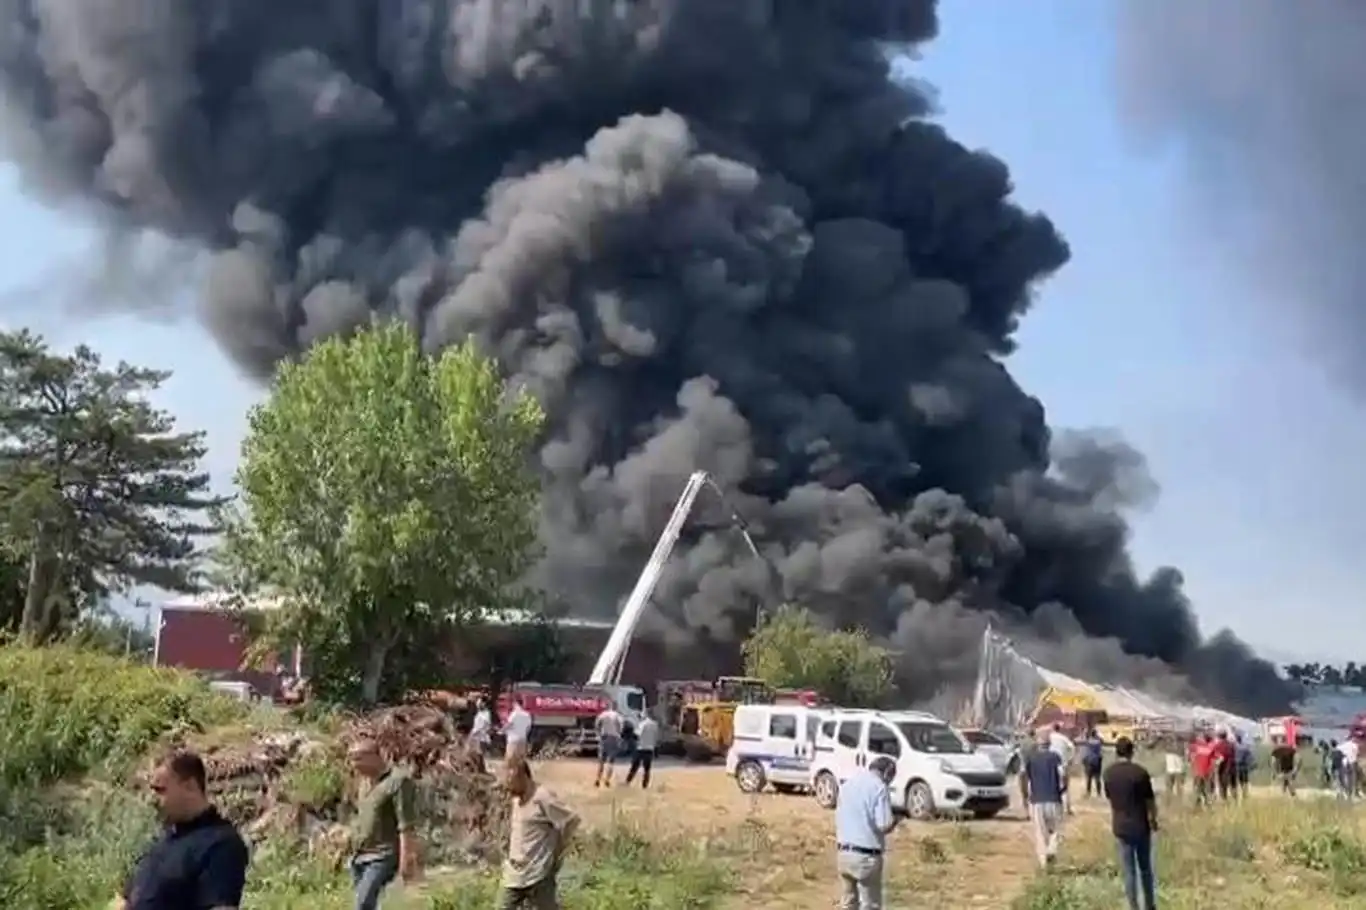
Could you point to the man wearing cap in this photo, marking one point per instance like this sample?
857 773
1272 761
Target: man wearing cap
863 819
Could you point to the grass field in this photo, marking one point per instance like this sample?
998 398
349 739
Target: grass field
72 725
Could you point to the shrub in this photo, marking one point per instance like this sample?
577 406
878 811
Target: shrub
66 712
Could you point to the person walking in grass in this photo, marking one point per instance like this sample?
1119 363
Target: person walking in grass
1092 761
540 828
1175 769
1285 765
200 861
1243 762
1133 821
384 829
1043 786
863 819
608 724
643 757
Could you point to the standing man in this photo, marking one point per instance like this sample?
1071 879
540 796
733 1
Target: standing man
1042 779
1202 768
384 829
643 758
608 725
1092 761
1349 753
200 861
1225 764
1061 745
1133 820
517 731
539 831
863 819
1285 764
1243 761
1175 777
481 729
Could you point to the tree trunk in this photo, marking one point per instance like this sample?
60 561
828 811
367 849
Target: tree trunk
35 626
373 676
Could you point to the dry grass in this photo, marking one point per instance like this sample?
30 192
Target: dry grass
1307 853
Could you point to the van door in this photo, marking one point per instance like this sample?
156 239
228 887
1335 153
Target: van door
849 751
785 745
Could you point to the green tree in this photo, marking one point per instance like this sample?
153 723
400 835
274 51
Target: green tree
791 648
387 500
98 492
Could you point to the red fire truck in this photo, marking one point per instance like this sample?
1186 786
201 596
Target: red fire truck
562 716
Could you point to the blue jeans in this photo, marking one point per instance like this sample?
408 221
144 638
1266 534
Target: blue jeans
370 877
1136 864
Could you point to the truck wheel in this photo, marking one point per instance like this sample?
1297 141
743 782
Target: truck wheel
920 801
749 777
827 790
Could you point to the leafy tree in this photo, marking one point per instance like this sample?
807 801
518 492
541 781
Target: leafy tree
387 500
791 648
99 492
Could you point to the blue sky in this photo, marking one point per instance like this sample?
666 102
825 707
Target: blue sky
1149 330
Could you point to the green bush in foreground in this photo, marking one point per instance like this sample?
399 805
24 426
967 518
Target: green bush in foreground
66 712
94 843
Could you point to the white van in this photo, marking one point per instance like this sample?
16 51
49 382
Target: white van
773 745
937 770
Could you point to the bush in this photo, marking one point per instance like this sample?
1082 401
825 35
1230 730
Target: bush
66 712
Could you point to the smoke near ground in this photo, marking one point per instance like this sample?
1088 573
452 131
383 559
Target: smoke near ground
1266 101
708 233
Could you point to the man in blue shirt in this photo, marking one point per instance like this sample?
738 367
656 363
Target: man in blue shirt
1092 761
1041 780
863 819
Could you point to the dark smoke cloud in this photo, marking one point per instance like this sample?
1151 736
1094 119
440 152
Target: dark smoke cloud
1266 101
708 233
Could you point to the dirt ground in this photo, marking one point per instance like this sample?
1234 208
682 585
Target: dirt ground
979 864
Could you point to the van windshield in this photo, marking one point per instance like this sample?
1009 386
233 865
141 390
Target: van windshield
939 739
635 701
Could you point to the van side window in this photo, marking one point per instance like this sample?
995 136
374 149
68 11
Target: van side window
849 733
828 730
882 740
783 726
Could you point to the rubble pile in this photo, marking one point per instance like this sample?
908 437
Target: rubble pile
459 800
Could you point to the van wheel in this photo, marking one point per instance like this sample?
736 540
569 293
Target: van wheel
827 790
749 777
920 801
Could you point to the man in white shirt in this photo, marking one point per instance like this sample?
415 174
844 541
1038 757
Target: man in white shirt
517 731
643 759
1060 745
481 730
608 725
1347 776
1176 768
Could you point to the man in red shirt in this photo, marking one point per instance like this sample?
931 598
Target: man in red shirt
1202 761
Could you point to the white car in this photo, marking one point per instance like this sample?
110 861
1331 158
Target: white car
937 770
1003 754
773 745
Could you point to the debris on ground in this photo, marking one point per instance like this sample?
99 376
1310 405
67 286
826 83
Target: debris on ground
465 811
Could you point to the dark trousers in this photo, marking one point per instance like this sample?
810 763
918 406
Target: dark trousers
642 760
370 877
1136 865
1093 784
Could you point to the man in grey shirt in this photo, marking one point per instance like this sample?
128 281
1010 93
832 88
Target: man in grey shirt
863 819
1041 782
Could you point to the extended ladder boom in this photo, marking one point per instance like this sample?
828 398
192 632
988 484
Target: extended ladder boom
608 668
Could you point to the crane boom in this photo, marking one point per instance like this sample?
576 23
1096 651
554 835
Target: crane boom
608 668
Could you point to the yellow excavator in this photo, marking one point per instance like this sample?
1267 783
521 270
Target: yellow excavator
701 713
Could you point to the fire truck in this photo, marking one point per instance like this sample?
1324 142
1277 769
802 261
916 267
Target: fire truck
562 716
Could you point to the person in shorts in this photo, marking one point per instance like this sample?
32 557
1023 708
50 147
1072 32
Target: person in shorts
608 725
1175 769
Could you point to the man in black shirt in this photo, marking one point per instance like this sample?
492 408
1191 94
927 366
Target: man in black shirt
1285 762
1133 818
200 861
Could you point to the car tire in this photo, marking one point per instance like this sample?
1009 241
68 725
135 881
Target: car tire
826 790
920 801
749 776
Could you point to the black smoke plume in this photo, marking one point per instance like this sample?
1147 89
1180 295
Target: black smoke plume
712 233
1266 101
